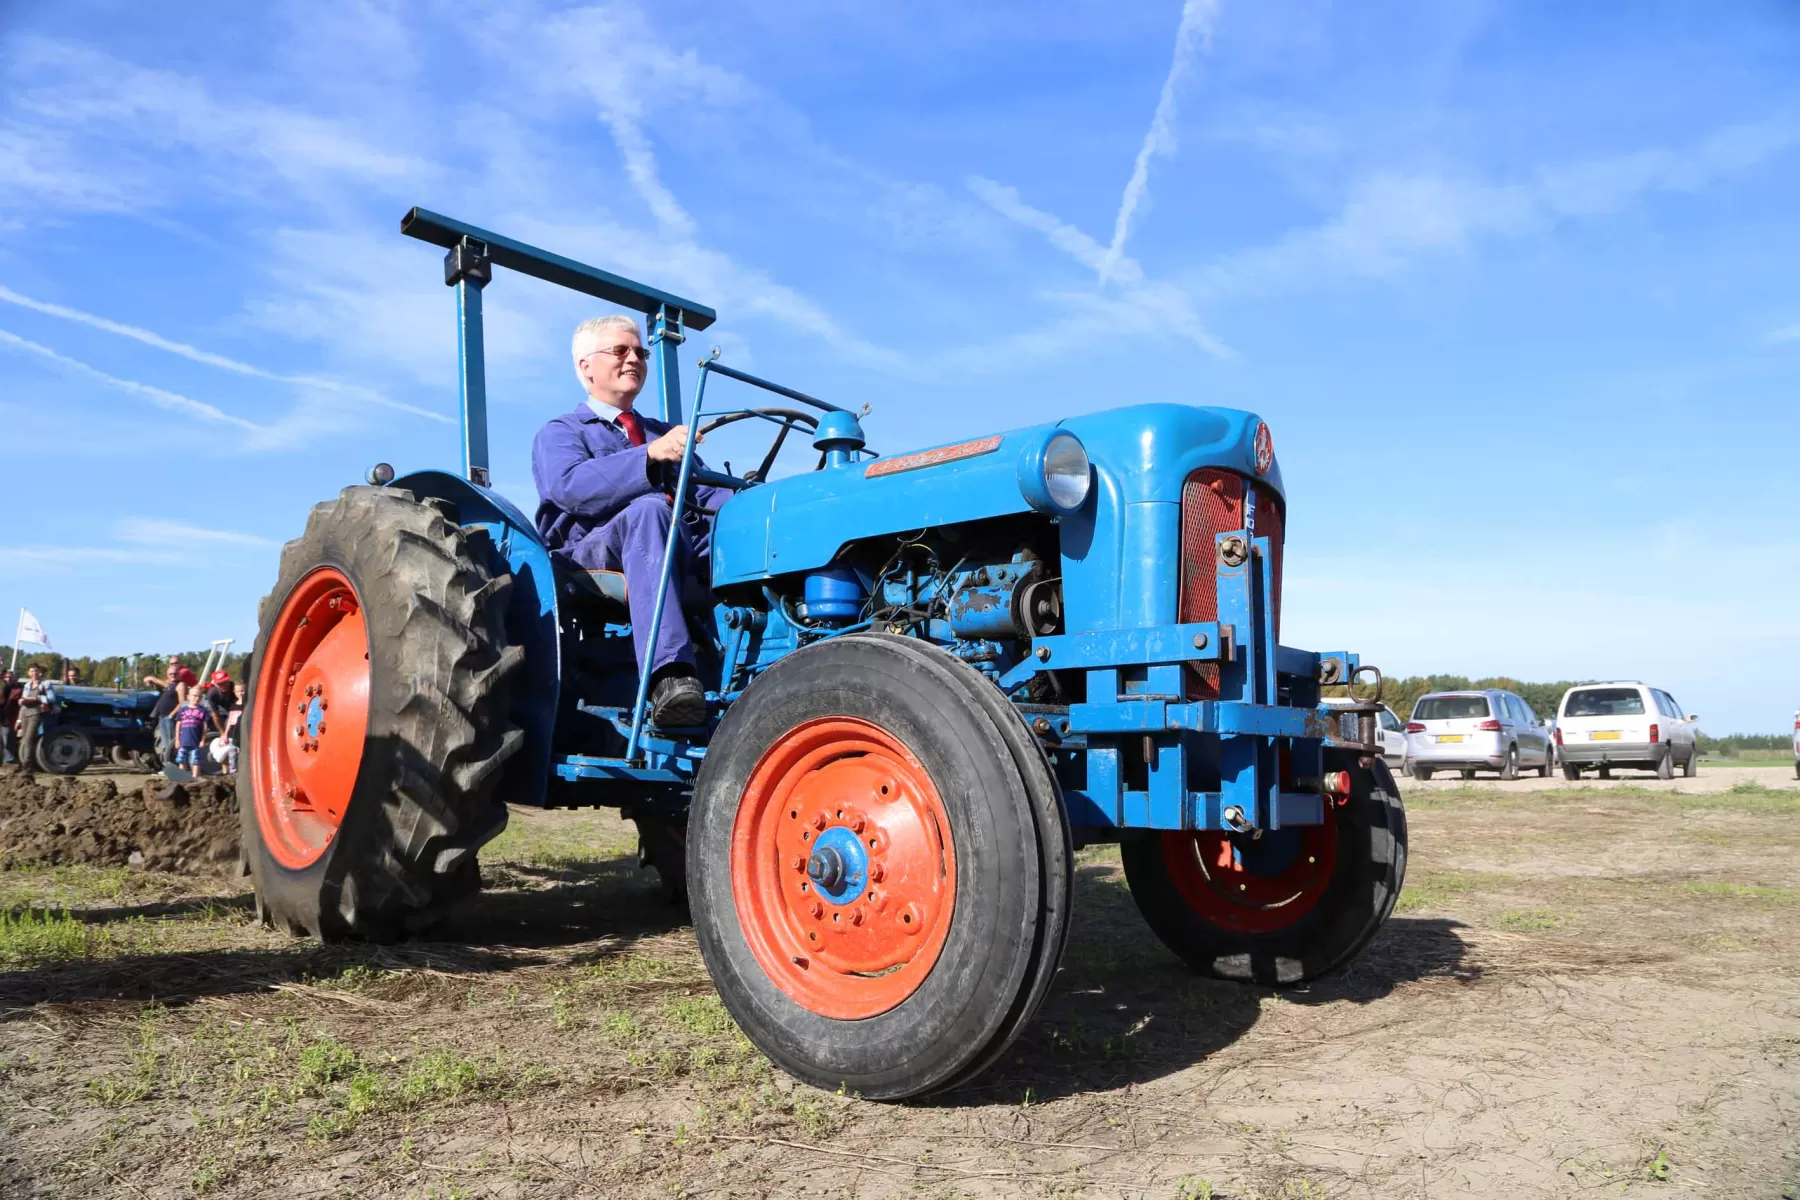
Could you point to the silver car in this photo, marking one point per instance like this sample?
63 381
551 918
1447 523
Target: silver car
1487 730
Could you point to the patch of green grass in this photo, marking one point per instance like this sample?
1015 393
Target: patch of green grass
1531 920
1746 891
700 1016
441 1075
36 937
1193 1187
323 1063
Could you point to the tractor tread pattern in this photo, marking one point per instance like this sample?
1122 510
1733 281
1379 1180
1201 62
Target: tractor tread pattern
438 720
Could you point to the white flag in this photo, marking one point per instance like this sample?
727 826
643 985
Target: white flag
30 632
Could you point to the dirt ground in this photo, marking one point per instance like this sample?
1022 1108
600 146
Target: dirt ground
1713 777
1586 989
117 820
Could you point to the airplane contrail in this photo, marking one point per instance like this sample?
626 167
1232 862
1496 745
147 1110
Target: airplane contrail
195 354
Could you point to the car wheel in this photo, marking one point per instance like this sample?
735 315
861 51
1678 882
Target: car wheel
1510 768
1571 771
1691 767
1468 774
1423 773
1604 772
1665 766
1549 762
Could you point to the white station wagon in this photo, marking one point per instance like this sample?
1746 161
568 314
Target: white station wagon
1626 724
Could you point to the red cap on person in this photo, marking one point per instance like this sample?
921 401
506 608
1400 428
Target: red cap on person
187 676
221 677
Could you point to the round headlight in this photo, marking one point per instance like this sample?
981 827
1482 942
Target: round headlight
1067 475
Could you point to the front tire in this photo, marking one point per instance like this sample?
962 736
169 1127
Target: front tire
376 720
1510 768
866 871
1283 908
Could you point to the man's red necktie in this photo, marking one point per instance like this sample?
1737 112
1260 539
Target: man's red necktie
633 425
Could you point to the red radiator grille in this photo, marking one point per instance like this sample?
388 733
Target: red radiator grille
1212 502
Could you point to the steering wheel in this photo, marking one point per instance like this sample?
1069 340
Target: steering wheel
788 418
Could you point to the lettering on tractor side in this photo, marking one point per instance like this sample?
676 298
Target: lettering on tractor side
926 685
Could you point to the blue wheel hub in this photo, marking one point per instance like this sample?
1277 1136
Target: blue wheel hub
315 716
839 866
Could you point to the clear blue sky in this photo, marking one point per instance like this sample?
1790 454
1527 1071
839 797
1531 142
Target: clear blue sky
1517 286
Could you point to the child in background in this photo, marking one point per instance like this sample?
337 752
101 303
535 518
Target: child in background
191 720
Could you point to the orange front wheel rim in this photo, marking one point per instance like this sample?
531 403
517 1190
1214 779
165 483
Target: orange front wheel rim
312 718
843 869
1253 885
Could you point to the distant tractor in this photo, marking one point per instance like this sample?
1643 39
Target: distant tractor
934 677
114 723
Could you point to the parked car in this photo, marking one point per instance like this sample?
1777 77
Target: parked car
1390 730
1488 730
1625 724
1797 743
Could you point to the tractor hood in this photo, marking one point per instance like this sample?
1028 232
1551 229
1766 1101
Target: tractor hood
1140 455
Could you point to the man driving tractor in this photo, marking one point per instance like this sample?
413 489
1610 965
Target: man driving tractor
604 474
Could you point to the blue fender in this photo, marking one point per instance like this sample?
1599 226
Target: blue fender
531 618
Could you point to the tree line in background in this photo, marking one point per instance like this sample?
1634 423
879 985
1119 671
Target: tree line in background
119 670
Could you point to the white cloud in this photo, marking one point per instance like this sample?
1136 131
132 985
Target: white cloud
1787 333
161 397
156 531
77 556
1191 34
211 359
1390 219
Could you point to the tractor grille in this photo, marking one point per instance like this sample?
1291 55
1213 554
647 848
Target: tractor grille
1212 502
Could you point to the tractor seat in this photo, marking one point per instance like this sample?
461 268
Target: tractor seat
608 586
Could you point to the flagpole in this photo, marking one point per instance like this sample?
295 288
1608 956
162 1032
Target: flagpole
14 667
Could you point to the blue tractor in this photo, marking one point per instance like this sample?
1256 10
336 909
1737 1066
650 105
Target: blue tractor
930 678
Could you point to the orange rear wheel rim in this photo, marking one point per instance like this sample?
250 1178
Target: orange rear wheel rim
312 718
843 869
1253 885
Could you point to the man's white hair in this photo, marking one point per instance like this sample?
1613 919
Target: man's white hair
590 335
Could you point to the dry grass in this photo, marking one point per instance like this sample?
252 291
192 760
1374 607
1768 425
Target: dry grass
1509 1032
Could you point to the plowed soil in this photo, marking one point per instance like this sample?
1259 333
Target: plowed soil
49 820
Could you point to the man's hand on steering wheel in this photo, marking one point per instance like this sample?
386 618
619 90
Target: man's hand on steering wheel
669 447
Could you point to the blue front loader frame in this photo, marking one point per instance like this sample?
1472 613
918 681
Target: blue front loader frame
1266 729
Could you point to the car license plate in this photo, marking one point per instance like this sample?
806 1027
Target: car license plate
1604 735
1449 737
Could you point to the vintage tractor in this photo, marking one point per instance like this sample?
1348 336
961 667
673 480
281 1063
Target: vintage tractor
114 722
930 677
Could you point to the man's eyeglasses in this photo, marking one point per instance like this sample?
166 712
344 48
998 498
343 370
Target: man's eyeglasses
620 352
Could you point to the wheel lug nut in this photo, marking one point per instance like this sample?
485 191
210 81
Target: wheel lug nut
817 910
877 872
798 862
819 821
856 918
858 825
321 727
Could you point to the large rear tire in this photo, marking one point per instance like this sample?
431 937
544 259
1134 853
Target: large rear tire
65 752
866 870
1283 908
377 720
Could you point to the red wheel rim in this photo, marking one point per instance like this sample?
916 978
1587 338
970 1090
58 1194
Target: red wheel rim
312 718
1230 881
842 945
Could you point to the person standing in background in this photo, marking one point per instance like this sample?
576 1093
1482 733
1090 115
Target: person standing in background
166 704
35 699
9 716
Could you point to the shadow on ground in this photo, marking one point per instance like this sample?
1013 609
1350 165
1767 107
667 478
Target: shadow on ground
524 915
1125 1010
